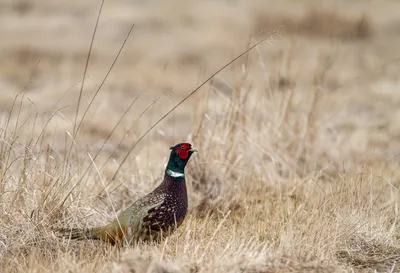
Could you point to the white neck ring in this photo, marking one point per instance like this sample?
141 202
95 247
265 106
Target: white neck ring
175 174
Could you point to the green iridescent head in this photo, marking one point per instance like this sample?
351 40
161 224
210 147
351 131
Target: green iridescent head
179 157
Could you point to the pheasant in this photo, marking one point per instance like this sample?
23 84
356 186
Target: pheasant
153 216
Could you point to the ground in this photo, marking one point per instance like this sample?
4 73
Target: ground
299 139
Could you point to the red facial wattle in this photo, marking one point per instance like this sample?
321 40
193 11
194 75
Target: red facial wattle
183 150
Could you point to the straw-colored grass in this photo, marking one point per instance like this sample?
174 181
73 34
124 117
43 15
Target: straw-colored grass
298 169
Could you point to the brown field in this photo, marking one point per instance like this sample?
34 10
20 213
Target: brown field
299 140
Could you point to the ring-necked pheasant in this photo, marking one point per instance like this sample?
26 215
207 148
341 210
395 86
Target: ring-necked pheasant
153 216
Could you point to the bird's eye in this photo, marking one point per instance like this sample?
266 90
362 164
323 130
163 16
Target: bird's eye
182 147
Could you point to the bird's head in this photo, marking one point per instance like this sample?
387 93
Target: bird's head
179 157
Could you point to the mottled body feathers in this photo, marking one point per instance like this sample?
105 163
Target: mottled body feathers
153 216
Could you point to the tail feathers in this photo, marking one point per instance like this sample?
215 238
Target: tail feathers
80 233
108 234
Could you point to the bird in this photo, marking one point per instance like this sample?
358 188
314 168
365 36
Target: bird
152 217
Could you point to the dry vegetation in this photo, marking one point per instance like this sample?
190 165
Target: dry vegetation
300 139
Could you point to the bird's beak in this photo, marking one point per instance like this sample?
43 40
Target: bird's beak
193 149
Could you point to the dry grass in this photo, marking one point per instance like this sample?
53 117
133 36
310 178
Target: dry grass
299 140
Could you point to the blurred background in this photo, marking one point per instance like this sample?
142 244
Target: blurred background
347 50
299 139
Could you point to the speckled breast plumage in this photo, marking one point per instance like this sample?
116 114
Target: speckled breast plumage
163 219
